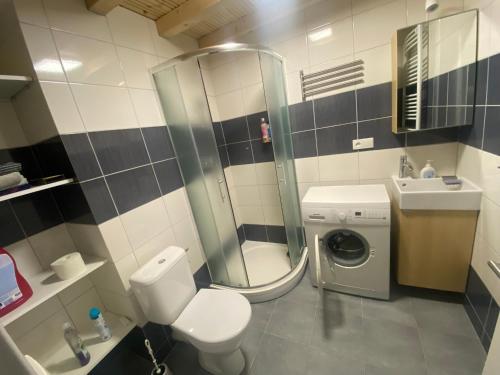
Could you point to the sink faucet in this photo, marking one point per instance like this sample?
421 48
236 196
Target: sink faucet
405 168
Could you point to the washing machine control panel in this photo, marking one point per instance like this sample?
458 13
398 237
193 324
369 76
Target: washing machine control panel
360 216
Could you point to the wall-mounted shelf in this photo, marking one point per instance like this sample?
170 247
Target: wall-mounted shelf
64 362
11 85
34 189
46 285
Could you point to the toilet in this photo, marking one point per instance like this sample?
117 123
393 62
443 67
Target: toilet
213 321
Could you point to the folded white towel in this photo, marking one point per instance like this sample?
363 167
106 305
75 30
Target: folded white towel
12 179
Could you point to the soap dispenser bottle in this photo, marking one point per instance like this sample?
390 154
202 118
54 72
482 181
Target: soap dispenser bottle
428 171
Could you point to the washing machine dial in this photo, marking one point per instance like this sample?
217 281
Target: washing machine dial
342 216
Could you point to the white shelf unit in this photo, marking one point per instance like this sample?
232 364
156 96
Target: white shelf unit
63 360
34 189
46 285
11 85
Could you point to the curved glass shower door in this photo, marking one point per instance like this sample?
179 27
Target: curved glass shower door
182 96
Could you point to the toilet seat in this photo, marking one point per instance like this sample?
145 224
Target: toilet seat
214 320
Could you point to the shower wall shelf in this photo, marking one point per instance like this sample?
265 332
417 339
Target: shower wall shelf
46 285
35 189
11 85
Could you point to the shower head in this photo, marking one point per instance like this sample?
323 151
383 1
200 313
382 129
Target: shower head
431 5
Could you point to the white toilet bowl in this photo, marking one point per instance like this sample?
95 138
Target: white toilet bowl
213 321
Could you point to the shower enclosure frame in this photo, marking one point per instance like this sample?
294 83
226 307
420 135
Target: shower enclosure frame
274 92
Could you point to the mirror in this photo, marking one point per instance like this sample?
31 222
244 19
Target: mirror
434 73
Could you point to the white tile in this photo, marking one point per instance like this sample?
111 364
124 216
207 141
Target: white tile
52 244
379 164
489 218
263 174
293 89
443 156
327 11
136 67
177 205
359 6
146 107
446 8
337 42
11 133
144 222
195 258
125 268
307 169
282 28
104 107
130 29
31 11
269 195
251 214
26 260
415 12
62 107
273 215
377 65
76 290
339 167
123 305
254 99
43 53
249 69
230 105
154 246
225 78
493 12
327 65
74 17
244 174
467 161
490 176
78 310
375 27
88 60
185 234
206 75
172 47
294 52
214 110
115 238
88 239
108 278
248 195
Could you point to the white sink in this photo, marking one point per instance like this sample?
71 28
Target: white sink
434 194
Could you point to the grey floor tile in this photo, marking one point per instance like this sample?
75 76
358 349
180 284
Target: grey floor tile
371 369
441 316
341 303
278 356
183 359
250 345
452 354
261 314
292 321
303 293
397 310
327 363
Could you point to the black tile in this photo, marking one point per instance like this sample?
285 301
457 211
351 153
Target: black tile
224 160
473 135
374 101
276 233
471 83
255 232
335 109
457 116
37 212
240 153
304 144
486 342
73 204
437 90
492 130
492 318
336 140
235 130
169 175
432 136
99 200
133 188
219 136
381 131
11 230
81 156
155 334
481 80
158 143
25 156
476 323
119 149
494 80
301 116
262 152
433 117
52 157
253 122
457 86
241 234
478 295
202 277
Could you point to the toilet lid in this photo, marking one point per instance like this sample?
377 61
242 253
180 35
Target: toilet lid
214 316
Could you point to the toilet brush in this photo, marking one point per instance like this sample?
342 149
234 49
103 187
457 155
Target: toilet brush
159 369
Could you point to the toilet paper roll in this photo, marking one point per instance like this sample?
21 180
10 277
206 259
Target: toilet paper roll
68 266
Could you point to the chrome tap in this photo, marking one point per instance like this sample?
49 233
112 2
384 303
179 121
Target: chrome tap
405 168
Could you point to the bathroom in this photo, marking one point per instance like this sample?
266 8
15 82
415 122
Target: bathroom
99 100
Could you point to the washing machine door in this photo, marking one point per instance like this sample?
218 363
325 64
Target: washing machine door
346 248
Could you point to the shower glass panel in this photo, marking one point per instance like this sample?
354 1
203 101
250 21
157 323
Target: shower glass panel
185 105
277 106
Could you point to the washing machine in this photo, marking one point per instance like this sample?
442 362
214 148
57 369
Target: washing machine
351 227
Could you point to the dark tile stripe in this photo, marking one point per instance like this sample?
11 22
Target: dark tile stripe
255 232
240 153
381 131
235 130
336 140
10 231
99 200
73 204
158 143
335 109
169 175
81 156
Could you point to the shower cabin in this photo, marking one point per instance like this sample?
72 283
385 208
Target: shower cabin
241 185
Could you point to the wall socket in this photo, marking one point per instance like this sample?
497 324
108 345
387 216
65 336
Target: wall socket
361 144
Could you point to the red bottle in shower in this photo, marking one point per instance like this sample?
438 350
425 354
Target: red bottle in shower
14 289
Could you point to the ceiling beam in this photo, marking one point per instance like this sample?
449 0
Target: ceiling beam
102 7
183 17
